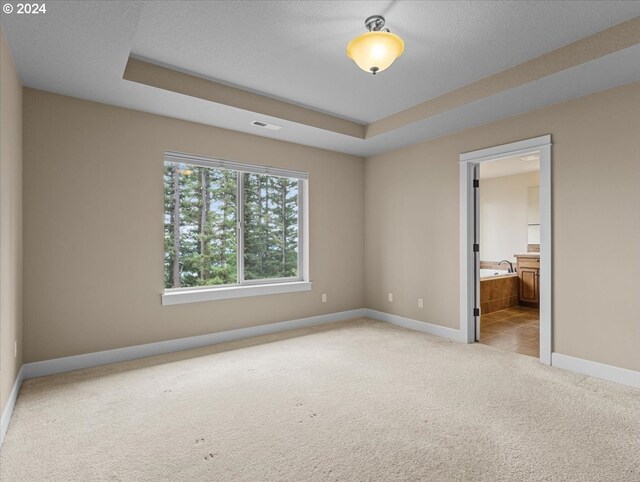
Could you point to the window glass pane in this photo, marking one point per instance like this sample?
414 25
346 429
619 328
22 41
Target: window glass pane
200 218
270 227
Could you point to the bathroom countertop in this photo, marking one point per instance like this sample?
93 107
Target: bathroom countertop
530 255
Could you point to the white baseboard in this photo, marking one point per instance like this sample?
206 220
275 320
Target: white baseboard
595 369
60 365
416 325
8 408
88 360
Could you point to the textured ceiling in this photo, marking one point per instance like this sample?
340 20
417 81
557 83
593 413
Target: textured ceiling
508 166
295 50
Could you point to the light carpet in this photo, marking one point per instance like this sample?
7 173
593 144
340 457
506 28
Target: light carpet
359 400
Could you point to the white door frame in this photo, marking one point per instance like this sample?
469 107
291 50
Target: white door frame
467 265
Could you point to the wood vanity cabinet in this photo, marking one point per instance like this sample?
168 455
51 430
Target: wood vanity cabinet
529 276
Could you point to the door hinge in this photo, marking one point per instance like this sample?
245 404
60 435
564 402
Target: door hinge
476 183
476 248
476 312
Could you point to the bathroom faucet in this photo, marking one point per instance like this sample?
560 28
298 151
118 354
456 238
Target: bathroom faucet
510 265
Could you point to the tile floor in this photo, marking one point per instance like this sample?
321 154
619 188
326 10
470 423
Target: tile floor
513 329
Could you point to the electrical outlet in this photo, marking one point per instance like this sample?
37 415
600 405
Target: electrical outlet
324 297
391 297
420 303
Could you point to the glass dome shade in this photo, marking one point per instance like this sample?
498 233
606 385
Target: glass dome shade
375 51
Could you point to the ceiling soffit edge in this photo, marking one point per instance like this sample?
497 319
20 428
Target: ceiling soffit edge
610 40
153 75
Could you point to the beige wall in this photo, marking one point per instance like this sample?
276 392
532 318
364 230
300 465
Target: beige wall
412 223
503 216
94 228
10 221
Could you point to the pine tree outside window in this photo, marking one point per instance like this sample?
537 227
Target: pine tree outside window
231 224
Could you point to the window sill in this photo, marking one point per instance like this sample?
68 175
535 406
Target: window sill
178 297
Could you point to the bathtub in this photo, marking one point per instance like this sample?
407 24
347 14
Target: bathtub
494 273
498 290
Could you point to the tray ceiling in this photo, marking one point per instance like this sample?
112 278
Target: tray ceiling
295 52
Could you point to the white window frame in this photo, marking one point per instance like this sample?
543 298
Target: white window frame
243 288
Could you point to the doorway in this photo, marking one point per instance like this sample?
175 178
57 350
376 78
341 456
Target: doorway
509 224
511 293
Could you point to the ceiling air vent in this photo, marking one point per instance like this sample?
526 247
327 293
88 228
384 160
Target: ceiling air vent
264 125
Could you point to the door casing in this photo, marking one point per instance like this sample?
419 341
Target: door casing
469 285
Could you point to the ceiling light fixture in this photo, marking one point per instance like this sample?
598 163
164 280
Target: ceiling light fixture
377 49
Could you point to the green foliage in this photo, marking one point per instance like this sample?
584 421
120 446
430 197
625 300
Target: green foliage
206 224
271 227
201 214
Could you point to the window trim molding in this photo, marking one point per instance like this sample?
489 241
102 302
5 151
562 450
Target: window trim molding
179 296
245 288
202 161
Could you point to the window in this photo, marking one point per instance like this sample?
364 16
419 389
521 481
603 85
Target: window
230 224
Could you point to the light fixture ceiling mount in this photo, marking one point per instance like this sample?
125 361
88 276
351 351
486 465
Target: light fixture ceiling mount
377 49
375 23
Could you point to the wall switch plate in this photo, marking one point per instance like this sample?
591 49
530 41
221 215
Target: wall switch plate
15 348
391 297
420 303
324 297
